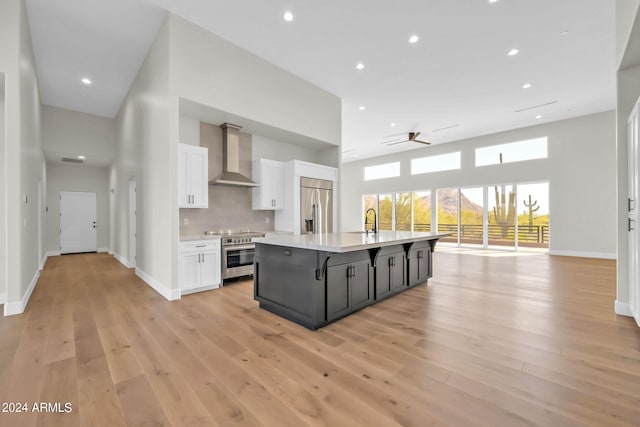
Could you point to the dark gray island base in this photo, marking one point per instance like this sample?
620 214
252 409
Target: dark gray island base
296 279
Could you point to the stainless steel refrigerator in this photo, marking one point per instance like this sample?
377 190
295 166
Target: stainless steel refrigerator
316 206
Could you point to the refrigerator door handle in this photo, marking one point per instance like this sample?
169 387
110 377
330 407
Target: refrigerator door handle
314 218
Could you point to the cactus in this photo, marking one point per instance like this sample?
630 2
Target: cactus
503 213
531 208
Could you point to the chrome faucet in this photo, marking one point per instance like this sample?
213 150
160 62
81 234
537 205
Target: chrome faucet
366 221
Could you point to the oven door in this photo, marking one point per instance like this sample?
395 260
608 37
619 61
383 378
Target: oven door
237 260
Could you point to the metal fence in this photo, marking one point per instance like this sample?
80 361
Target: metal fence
535 235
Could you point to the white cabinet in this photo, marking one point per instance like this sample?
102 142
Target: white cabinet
193 176
632 212
270 194
199 265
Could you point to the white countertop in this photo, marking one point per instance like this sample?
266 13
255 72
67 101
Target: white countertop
349 241
198 237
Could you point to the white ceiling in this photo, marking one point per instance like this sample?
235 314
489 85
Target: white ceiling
457 74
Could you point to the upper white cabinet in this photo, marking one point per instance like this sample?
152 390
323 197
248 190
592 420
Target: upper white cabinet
270 194
193 176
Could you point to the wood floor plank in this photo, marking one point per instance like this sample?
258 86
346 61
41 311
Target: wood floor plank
60 390
519 340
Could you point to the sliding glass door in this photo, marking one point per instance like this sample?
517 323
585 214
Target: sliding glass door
502 217
471 216
447 214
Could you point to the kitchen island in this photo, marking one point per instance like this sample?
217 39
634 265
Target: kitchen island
315 279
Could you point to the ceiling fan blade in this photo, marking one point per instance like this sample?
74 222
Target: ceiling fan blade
422 142
398 142
414 135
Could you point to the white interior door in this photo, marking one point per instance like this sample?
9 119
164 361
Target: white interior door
77 222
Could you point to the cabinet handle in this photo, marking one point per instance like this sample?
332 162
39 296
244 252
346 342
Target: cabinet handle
353 271
629 201
349 271
629 224
420 254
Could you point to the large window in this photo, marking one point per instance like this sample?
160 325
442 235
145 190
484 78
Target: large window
422 211
533 217
512 152
399 211
471 216
387 170
502 216
447 213
403 218
442 162
506 216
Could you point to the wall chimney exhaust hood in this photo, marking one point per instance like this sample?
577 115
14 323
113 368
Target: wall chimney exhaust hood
231 159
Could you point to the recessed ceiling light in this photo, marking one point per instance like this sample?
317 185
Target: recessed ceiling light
564 33
360 66
361 108
81 157
86 81
526 86
393 125
539 116
493 1
288 16
513 52
414 39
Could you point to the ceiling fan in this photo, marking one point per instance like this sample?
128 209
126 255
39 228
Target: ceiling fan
413 137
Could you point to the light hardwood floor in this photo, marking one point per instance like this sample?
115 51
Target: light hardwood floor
490 341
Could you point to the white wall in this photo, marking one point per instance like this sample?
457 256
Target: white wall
23 163
3 268
211 71
626 14
147 152
189 129
70 177
628 91
581 170
267 148
71 133
32 165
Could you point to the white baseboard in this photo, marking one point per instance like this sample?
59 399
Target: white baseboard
3 298
622 308
603 255
169 294
200 289
102 250
120 258
11 308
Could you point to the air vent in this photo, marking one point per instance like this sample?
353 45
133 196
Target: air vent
71 160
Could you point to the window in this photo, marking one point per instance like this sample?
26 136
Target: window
387 170
442 162
512 152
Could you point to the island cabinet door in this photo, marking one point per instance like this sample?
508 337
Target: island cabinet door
419 265
338 292
361 285
349 288
383 276
398 272
391 274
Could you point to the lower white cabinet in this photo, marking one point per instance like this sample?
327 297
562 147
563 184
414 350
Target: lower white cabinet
199 265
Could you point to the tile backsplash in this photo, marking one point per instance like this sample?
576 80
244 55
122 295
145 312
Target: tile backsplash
229 207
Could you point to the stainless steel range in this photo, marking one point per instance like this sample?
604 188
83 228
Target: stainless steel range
238 251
